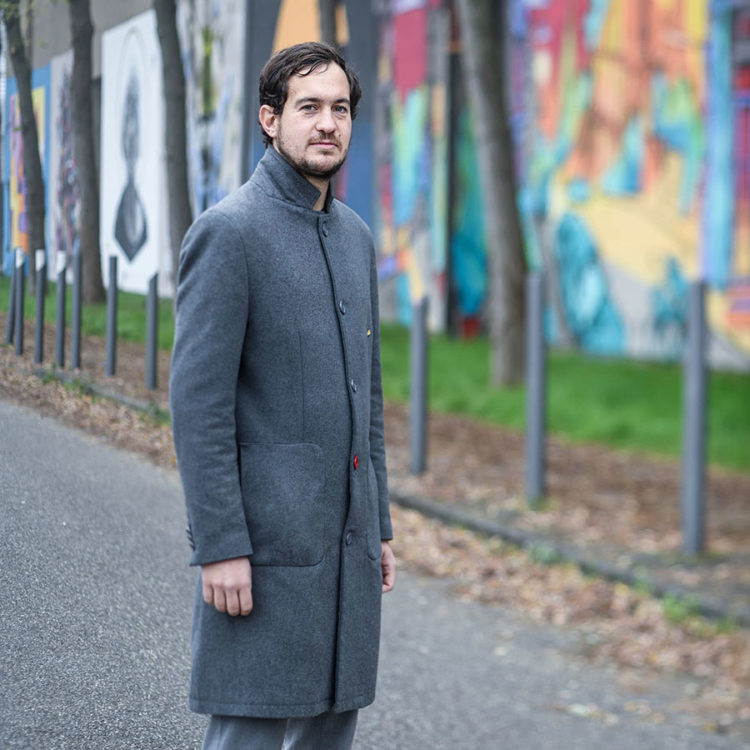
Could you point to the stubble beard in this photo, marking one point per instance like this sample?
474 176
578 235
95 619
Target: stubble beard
308 168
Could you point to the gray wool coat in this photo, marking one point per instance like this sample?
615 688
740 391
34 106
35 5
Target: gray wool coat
277 410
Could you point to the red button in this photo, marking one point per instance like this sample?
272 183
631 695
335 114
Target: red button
356 462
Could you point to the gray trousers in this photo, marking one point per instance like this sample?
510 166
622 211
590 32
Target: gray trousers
329 731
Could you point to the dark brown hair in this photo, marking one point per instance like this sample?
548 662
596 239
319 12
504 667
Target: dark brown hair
301 59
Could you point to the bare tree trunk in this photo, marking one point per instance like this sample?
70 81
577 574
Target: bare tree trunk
327 10
175 138
484 69
82 31
32 165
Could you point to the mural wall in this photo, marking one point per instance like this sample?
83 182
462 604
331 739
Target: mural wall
133 212
632 129
412 157
15 220
637 178
62 185
212 34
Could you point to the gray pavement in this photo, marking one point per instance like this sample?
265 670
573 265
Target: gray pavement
95 600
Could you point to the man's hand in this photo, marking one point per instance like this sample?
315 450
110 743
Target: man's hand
227 585
388 566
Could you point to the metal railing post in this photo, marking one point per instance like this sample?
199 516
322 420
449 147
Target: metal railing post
111 342
418 387
694 425
41 273
61 311
10 320
75 323
20 298
536 397
152 332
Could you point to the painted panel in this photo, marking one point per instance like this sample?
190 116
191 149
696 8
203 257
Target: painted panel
132 210
412 159
212 33
16 226
638 116
62 187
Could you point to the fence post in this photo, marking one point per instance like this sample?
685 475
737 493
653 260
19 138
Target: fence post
61 311
111 364
10 320
536 396
418 387
20 298
41 274
152 332
75 329
694 425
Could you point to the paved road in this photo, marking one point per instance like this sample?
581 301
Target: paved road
94 612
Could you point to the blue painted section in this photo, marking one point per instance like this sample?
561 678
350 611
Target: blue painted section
468 262
678 123
670 309
624 176
593 22
590 313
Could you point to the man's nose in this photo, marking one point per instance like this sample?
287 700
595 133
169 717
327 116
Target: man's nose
325 122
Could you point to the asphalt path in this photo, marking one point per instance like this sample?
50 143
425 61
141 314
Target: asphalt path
95 597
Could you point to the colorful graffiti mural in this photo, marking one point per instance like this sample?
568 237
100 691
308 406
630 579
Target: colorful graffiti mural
628 174
412 157
213 37
16 229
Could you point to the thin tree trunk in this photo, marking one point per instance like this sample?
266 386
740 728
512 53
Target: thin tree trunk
327 10
484 69
82 31
175 138
32 165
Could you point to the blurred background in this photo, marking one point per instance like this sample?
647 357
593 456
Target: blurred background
631 138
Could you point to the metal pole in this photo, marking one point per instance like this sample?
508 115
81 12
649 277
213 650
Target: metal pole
536 366
694 434
152 332
75 331
10 321
60 323
111 341
41 273
20 298
418 390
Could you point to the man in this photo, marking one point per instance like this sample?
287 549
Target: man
278 422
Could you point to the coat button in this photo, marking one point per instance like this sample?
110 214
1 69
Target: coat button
356 462
325 230
348 537
353 385
342 306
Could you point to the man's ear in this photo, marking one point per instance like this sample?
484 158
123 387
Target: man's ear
269 120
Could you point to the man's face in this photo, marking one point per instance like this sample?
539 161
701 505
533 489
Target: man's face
314 129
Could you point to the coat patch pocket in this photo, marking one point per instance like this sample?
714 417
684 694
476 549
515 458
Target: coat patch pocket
282 486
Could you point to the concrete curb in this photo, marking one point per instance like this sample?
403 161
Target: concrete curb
94 389
709 607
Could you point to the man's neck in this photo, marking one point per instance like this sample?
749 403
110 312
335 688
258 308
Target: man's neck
319 183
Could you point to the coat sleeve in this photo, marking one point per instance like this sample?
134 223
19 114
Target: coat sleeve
211 317
377 427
